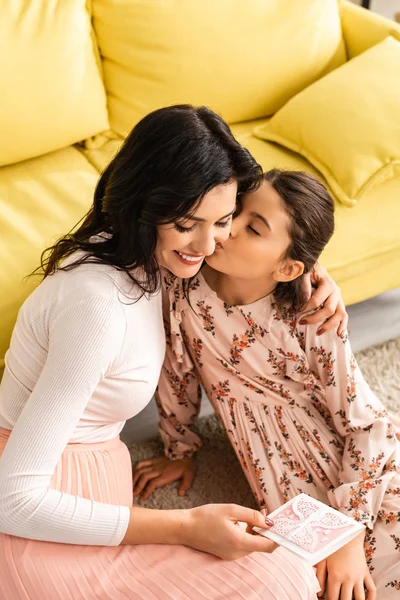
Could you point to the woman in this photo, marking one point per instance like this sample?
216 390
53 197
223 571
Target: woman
291 398
86 354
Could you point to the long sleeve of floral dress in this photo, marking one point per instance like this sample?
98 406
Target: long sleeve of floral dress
371 455
178 394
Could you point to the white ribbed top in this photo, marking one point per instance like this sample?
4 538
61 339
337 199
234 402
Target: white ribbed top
83 358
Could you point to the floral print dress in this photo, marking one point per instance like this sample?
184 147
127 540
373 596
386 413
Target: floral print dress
295 406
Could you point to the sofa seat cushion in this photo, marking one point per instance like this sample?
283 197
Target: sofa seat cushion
363 255
51 89
102 151
347 123
233 55
40 200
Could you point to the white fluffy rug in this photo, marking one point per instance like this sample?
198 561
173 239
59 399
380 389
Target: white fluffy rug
219 476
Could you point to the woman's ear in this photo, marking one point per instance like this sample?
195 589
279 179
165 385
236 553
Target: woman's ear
288 271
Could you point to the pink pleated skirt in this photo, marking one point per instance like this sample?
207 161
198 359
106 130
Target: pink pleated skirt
36 570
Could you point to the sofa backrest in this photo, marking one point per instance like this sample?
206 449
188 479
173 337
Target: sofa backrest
363 29
243 59
51 90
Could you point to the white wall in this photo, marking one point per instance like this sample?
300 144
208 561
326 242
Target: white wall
387 8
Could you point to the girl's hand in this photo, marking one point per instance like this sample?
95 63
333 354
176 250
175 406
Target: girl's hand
225 530
151 474
343 575
321 576
332 312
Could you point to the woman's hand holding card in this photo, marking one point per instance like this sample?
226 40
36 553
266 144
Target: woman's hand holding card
311 529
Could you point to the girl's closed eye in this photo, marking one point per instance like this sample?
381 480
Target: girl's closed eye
253 230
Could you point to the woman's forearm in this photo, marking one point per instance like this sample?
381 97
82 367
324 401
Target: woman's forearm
211 528
149 526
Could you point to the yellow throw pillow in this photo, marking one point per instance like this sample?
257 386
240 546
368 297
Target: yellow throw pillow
347 124
51 91
242 58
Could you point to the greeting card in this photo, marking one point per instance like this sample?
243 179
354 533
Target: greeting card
310 528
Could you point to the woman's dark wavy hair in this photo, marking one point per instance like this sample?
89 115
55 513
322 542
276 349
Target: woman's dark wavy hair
169 161
311 211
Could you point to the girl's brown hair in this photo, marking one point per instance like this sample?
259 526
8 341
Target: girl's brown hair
311 211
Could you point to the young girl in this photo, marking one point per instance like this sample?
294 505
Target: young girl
291 398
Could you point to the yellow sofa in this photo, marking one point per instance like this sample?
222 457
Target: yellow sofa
82 73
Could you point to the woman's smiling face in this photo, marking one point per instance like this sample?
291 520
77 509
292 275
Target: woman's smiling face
182 246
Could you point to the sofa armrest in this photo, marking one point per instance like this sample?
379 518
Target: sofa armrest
363 28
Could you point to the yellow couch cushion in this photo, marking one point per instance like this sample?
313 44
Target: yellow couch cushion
51 91
244 59
347 123
40 200
363 255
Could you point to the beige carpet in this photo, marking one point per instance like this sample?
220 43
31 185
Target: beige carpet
219 476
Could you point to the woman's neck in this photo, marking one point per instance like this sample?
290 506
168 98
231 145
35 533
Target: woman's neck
236 291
